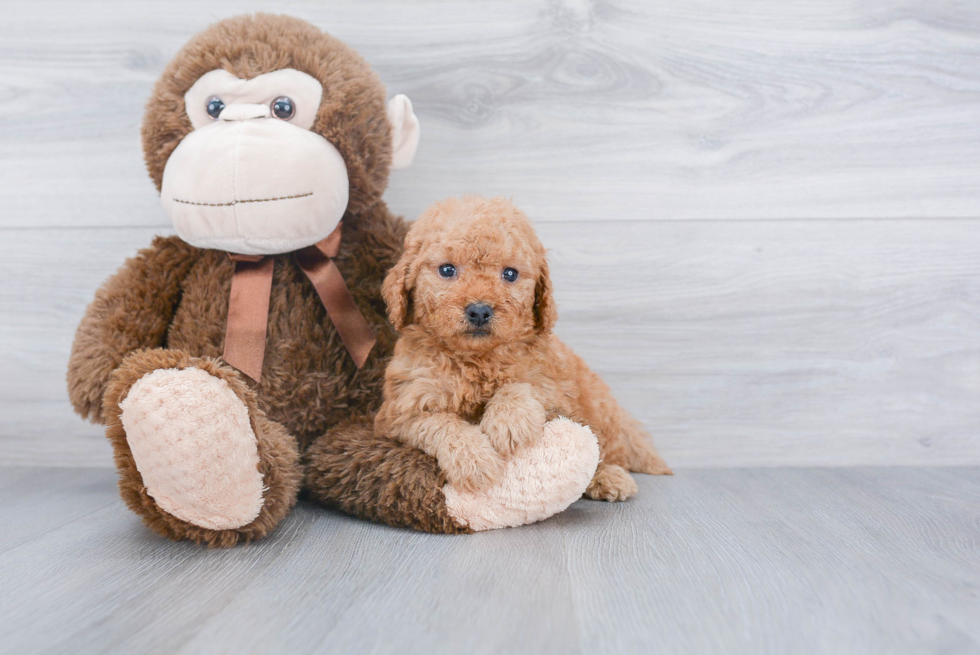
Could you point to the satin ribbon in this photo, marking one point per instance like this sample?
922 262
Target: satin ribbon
248 305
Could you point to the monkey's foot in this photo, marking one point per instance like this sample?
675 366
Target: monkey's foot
541 481
193 444
197 458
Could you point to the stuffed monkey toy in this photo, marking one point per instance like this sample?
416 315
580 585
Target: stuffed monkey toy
217 356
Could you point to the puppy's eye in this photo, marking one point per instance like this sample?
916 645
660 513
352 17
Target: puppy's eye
447 270
214 107
510 275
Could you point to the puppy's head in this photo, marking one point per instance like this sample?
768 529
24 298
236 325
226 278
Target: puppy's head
473 274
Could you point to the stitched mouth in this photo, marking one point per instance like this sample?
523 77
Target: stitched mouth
478 332
240 202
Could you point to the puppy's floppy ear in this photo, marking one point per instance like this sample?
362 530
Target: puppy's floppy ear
397 287
545 311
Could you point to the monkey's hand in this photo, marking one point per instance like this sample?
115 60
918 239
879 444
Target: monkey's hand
513 419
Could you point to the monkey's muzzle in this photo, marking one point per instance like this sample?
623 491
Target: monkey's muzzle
254 186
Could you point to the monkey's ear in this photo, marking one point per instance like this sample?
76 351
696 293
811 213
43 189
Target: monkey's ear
397 287
405 131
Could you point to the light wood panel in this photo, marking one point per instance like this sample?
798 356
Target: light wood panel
739 340
783 343
49 433
735 561
737 343
580 110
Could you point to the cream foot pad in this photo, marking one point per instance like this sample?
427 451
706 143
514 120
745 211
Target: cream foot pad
194 447
541 481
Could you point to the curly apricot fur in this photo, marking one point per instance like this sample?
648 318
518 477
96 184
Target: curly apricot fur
454 390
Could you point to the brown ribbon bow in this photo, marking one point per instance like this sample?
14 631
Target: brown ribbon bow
248 305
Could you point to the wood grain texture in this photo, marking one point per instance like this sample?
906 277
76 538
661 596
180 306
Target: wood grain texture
580 110
782 561
735 561
737 343
762 223
767 333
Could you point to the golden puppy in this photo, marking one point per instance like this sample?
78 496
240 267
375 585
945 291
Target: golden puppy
477 371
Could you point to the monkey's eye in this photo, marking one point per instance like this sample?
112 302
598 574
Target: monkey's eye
215 105
510 275
283 107
447 270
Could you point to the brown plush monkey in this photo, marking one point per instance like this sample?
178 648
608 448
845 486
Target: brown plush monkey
270 141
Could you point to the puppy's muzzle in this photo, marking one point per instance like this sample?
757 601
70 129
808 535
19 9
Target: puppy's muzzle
479 314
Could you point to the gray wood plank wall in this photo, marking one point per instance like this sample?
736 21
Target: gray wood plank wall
764 217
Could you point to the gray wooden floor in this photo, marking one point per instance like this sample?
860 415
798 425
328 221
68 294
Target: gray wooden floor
846 560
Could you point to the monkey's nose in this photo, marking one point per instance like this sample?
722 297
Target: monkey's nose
479 314
241 111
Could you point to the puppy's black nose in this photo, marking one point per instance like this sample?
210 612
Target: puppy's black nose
479 314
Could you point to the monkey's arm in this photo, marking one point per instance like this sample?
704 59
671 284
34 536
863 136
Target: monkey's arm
463 452
132 310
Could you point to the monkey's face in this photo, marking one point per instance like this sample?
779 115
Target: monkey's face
252 177
263 130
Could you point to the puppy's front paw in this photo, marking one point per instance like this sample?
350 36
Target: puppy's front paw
611 482
513 422
470 462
